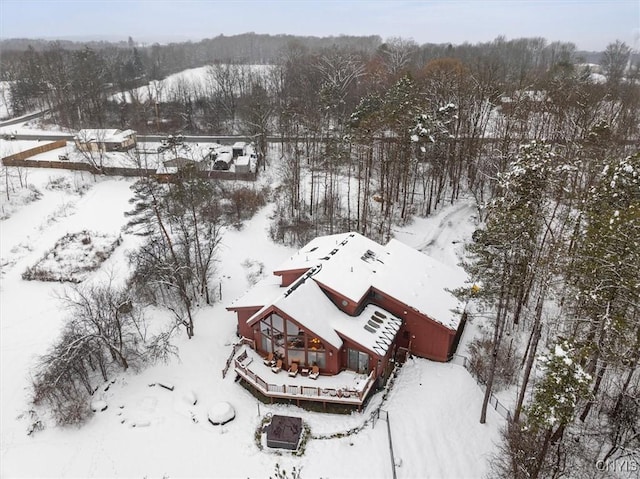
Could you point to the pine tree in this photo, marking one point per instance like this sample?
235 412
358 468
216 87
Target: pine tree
503 255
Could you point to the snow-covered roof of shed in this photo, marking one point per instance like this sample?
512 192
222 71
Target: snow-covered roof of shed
352 264
225 156
243 160
239 144
166 170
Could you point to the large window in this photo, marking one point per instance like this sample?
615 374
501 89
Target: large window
316 353
272 334
357 361
290 342
295 344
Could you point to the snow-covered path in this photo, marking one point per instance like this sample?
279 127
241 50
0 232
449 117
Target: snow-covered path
442 236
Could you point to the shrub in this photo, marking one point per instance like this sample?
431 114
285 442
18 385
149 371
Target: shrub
507 365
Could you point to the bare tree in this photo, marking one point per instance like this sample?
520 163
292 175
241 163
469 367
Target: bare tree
105 332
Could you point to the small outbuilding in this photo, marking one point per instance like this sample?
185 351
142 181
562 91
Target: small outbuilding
243 164
105 140
223 159
239 148
284 432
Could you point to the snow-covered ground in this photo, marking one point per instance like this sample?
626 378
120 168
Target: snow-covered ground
198 79
5 100
149 431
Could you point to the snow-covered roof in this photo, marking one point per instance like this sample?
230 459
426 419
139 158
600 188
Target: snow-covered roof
374 328
421 282
243 160
167 170
239 145
352 264
104 135
224 155
309 306
263 292
311 254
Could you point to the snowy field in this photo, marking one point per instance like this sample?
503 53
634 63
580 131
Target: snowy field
149 431
197 79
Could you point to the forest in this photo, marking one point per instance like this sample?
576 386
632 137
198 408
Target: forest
371 134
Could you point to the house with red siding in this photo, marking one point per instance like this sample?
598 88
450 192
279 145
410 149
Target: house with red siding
346 306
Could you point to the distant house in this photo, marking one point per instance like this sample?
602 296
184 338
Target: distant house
105 140
344 303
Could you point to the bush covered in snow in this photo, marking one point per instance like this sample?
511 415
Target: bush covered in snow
65 183
19 197
73 257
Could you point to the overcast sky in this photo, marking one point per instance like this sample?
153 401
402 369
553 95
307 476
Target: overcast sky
590 24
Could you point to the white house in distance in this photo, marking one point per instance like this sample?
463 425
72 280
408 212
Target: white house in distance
105 140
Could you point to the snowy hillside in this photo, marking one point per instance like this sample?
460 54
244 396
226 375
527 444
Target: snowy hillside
196 79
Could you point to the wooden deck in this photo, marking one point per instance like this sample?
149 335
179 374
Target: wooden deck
344 388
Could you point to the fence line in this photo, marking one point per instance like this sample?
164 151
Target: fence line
18 160
234 350
34 151
393 461
493 399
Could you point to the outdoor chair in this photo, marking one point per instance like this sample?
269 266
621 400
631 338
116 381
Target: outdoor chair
276 369
268 361
293 370
315 372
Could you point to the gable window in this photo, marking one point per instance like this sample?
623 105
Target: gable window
357 361
290 342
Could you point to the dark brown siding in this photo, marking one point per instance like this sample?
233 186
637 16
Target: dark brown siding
243 315
423 336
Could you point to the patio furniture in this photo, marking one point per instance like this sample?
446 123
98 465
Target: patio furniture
246 361
293 370
276 369
268 361
315 372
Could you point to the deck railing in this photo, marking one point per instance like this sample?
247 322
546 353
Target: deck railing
341 395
